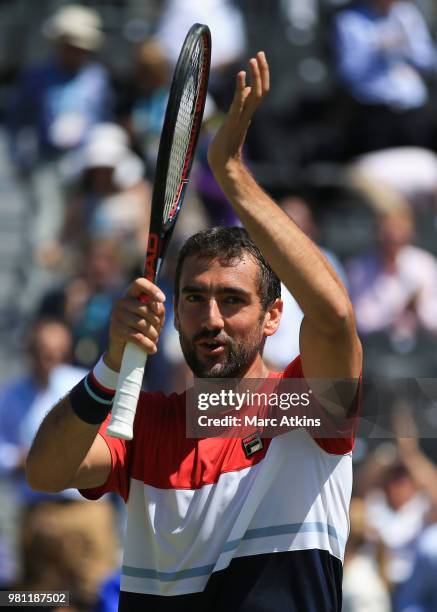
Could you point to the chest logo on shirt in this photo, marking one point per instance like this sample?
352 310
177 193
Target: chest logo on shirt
252 444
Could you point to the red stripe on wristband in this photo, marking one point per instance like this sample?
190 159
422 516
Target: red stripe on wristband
94 381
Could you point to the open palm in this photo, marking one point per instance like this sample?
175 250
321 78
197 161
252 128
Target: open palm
227 144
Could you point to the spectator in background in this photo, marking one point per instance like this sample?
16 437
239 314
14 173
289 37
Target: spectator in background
419 592
394 287
399 485
108 594
63 98
222 17
396 511
283 346
142 101
85 301
228 35
68 546
409 172
403 504
384 52
49 347
30 397
363 587
113 199
54 107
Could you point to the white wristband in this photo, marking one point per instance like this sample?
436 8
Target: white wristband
105 376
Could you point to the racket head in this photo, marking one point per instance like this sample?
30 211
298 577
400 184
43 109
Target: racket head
179 136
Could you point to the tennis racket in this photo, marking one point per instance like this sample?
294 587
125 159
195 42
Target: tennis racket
182 123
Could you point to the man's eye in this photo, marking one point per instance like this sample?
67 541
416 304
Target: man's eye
192 297
232 299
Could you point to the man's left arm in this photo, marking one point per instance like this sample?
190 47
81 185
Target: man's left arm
330 347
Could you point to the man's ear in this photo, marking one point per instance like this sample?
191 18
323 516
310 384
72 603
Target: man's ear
273 317
175 315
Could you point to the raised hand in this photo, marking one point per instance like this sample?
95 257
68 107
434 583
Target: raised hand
137 320
226 147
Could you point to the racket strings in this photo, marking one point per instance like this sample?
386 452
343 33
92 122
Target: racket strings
183 132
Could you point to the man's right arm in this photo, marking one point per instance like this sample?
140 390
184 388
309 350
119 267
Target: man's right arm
67 451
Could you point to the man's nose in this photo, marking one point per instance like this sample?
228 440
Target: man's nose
212 317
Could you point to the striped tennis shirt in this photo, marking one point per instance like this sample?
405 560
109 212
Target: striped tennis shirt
210 529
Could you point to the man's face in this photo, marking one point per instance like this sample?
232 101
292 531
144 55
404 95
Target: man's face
103 265
72 58
51 347
219 317
384 5
395 232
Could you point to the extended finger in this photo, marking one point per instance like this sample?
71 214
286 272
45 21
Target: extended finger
255 96
264 71
257 86
143 287
239 96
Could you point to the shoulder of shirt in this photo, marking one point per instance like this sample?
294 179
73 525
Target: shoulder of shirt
293 370
160 399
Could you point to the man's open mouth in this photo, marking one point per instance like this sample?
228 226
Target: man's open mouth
211 347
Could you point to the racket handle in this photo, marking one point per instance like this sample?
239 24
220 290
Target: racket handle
126 397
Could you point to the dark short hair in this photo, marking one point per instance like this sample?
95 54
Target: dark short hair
228 244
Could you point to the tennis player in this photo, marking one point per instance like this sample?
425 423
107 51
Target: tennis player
212 523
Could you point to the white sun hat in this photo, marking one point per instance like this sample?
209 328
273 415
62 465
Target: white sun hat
77 24
108 147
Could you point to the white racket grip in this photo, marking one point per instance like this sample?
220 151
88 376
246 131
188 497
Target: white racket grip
128 390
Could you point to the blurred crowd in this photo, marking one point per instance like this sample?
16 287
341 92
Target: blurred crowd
346 143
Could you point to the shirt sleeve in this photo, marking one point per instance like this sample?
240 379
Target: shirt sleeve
119 476
339 433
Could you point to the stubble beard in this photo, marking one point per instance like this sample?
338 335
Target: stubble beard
240 356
